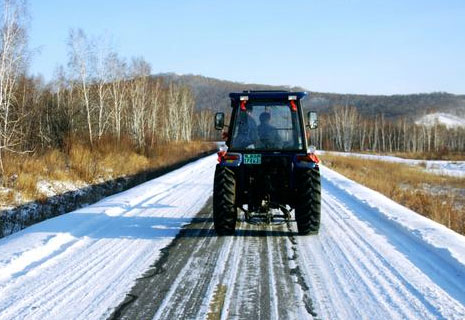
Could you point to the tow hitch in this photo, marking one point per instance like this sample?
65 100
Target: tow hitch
267 214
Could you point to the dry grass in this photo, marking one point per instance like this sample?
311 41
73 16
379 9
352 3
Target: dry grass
409 186
7 196
439 155
450 156
79 163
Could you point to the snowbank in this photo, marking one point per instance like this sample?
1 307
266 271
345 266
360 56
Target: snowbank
445 242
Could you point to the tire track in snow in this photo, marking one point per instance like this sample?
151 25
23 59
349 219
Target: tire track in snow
252 267
117 239
355 264
389 281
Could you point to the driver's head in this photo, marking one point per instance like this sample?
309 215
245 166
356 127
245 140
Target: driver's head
249 108
265 117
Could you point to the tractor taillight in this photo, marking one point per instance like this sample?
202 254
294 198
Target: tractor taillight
309 160
221 155
230 159
232 156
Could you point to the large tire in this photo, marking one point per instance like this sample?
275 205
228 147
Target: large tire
224 196
308 201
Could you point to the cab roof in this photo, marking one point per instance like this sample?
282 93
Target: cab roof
267 94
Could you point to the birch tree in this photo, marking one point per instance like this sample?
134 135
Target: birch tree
186 109
100 57
13 56
204 121
80 55
344 122
117 76
154 107
138 95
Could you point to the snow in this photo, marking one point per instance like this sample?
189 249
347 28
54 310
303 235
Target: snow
373 258
81 264
447 119
441 167
435 236
51 188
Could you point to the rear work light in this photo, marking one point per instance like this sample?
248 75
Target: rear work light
243 100
292 100
293 106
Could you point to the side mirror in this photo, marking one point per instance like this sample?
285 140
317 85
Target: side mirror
312 119
219 121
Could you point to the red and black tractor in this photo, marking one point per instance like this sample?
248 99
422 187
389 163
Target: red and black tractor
266 165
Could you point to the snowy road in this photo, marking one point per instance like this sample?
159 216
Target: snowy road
373 259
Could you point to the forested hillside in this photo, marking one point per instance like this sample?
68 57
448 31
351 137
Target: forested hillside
212 94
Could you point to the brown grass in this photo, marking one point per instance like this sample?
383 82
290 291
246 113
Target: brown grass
438 155
409 186
7 196
80 163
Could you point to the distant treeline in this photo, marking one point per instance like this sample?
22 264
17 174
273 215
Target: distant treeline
353 122
98 95
213 93
345 129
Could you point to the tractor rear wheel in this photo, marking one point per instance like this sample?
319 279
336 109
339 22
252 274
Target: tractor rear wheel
308 201
224 198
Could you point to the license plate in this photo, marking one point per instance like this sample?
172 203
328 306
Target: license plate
252 159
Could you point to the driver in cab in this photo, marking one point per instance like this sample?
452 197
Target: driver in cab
268 134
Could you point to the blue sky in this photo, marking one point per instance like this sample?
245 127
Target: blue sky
374 47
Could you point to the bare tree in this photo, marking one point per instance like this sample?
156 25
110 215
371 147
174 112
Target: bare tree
343 121
13 56
186 109
172 116
138 96
101 58
154 107
117 76
204 120
79 63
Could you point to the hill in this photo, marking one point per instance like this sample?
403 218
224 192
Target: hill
213 93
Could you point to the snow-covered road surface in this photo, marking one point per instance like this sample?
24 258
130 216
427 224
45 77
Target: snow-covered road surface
80 265
373 259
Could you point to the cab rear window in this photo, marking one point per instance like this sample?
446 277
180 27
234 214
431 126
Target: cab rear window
267 126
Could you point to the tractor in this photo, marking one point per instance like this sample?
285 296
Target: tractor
266 167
